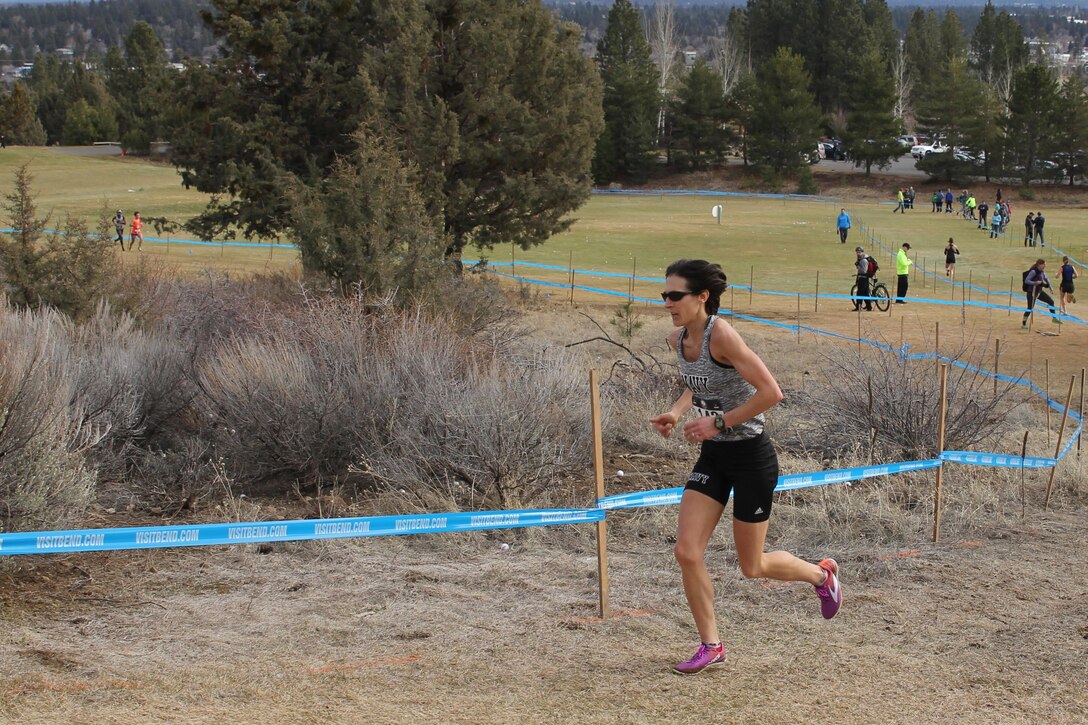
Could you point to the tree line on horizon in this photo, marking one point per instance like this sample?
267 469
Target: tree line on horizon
384 137
771 87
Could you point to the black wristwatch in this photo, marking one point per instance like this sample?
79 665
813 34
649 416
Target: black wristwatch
719 423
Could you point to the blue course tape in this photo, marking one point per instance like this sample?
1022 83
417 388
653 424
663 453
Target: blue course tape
666 496
997 460
264 245
158 537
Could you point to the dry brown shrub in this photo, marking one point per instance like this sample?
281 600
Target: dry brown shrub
44 482
369 395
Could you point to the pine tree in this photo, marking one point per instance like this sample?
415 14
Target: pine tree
366 224
785 120
700 114
491 102
20 124
631 99
949 109
922 45
1032 124
871 125
1072 136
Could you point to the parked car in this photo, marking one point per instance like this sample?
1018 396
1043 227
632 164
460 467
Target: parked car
834 150
924 150
912 141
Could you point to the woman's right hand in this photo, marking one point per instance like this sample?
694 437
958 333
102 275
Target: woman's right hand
665 423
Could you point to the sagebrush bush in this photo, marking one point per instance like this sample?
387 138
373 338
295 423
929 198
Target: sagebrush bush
395 398
858 394
44 481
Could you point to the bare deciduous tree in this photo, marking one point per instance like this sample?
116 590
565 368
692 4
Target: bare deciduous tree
664 44
903 82
728 61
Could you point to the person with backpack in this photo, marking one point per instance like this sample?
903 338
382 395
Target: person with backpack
936 201
1066 288
865 267
950 253
1035 281
728 388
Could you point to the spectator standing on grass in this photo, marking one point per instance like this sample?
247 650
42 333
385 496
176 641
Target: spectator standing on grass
1039 221
995 222
137 232
983 210
948 201
899 198
902 272
1029 230
1066 287
729 388
1035 282
861 274
119 224
936 200
843 225
972 204
909 196
950 253
1006 214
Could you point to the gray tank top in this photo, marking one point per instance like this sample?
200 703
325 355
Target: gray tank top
717 387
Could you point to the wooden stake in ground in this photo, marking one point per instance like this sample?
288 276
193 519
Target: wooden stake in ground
997 361
859 330
751 283
798 318
1023 490
1046 390
1058 448
816 308
571 268
1010 296
937 342
902 331
598 473
1081 437
631 286
940 449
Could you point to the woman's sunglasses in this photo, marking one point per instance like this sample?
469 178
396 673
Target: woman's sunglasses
675 295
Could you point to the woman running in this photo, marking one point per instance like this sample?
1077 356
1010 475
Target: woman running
1066 287
729 388
950 253
1035 281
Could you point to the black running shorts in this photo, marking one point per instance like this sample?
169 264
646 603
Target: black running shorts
1067 287
748 468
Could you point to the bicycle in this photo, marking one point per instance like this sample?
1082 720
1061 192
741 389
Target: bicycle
882 299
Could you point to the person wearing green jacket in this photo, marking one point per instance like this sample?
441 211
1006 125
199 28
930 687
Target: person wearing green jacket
902 269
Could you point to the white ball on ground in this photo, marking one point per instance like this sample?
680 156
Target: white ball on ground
620 473
504 546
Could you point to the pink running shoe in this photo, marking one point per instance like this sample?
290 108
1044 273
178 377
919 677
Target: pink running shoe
830 593
705 657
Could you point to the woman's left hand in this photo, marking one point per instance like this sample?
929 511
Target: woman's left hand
700 429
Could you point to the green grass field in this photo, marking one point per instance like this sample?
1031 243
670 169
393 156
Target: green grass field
781 243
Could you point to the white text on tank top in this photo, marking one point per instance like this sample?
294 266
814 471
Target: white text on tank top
717 388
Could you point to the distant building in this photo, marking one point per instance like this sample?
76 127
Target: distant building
690 56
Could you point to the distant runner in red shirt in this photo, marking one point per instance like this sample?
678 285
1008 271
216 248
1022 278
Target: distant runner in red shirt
137 232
